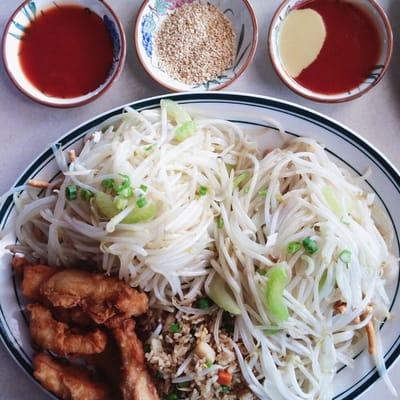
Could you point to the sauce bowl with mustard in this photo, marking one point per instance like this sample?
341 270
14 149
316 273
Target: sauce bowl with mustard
330 50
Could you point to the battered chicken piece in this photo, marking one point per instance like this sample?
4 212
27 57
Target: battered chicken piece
106 300
108 364
18 264
66 381
58 337
73 316
136 383
33 276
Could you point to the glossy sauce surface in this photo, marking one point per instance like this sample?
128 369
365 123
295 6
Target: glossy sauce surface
66 51
350 51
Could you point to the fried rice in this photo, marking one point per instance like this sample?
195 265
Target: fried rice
185 353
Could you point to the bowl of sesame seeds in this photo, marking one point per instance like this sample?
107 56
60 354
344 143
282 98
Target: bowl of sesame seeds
195 45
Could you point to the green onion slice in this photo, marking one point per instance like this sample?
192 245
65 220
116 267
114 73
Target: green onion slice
220 223
141 202
203 303
241 179
293 247
202 190
108 183
263 193
310 245
86 194
125 189
174 328
71 192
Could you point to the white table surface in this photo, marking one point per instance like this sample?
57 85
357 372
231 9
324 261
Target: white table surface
26 128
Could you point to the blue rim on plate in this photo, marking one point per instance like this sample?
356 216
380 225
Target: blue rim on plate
234 99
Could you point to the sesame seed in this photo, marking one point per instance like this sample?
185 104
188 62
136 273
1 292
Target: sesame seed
196 43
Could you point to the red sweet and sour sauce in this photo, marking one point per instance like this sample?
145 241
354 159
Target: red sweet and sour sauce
66 51
350 52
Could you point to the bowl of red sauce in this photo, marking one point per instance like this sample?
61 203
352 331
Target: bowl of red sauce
63 53
330 50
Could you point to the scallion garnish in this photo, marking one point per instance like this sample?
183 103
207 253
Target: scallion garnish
202 191
310 245
125 189
71 192
241 179
141 202
143 188
86 194
345 256
225 389
108 183
174 328
262 193
293 247
209 364
203 303
262 272
220 223
125 192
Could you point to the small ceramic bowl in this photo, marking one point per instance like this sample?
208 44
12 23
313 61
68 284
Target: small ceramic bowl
14 32
151 15
378 16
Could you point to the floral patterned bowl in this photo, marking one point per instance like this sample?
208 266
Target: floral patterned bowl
153 12
378 16
13 34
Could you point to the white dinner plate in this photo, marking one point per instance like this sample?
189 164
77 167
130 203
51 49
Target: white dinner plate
250 112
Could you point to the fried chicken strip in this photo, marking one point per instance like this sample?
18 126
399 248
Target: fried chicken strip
136 383
73 316
107 364
58 337
106 300
66 381
18 264
33 276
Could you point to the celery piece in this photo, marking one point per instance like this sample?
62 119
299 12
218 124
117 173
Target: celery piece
105 204
271 331
323 280
332 200
221 294
120 203
241 179
175 112
143 214
185 130
276 307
